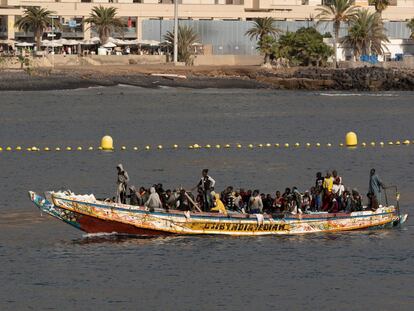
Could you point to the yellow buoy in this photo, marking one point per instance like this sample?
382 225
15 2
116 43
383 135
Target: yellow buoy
8 148
147 147
328 145
107 143
239 145
364 144
382 144
277 145
268 145
227 146
390 143
175 146
341 145
1 149
68 148
286 145
18 148
251 146
159 147
190 147
100 148
398 142
135 148
34 148
297 145
260 145
79 148
351 139
373 143
90 148
29 149
208 146
218 146
318 144
197 146
406 142
123 148
46 149
308 144
57 149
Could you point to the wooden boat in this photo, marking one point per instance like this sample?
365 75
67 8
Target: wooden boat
91 215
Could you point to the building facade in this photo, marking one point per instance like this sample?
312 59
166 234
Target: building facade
139 15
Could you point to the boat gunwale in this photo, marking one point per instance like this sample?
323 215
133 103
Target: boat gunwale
299 218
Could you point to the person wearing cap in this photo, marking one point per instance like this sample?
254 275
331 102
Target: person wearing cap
122 184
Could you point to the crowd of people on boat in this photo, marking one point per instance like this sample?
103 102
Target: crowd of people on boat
328 194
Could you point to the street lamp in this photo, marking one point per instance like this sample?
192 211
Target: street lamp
175 31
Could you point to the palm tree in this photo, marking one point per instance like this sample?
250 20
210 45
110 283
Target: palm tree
410 25
262 27
337 11
105 21
37 20
380 5
186 38
264 32
366 34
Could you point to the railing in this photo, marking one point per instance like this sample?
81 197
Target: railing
397 197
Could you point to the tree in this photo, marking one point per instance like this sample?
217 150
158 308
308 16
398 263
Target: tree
266 46
304 47
105 21
264 31
337 11
380 5
410 25
366 34
37 20
186 38
262 27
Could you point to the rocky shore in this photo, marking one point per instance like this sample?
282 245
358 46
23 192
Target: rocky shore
360 79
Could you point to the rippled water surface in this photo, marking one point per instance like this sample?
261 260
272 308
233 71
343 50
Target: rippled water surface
47 265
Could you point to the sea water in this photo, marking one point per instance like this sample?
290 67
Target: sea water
48 265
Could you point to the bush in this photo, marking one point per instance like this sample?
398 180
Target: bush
303 48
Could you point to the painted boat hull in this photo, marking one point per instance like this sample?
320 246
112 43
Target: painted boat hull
87 223
94 216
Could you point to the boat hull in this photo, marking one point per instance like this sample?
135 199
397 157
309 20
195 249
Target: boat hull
88 223
94 216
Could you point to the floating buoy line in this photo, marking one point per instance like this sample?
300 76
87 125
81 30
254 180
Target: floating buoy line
107 145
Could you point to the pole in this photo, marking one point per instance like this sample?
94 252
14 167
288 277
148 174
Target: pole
175 31
53 48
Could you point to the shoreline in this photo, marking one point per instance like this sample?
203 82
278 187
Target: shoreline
228 77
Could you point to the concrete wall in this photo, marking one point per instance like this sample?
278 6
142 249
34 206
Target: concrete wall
125 60
228 60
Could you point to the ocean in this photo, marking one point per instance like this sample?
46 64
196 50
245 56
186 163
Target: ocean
48 265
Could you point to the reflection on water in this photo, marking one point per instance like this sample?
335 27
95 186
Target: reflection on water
46 264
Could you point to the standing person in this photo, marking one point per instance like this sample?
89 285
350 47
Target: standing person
327 191
122 184
154 200
207 185
318 191
375 185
